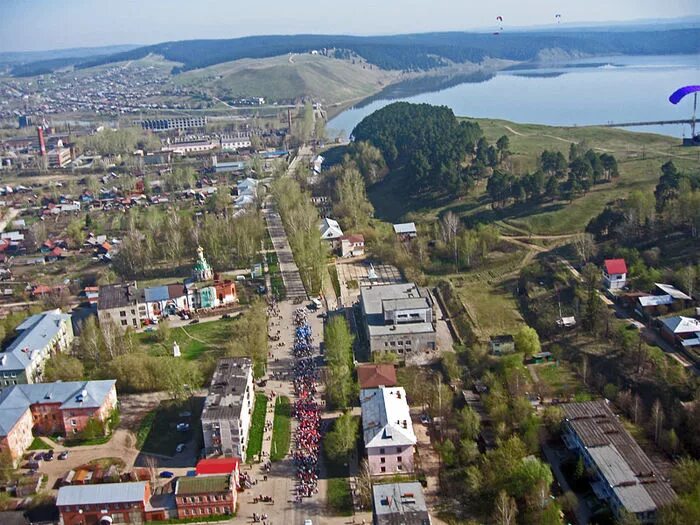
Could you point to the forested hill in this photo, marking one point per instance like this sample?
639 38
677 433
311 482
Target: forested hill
416 52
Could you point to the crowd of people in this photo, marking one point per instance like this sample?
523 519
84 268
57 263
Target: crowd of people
306 410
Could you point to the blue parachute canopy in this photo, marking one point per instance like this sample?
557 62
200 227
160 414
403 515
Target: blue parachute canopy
677 95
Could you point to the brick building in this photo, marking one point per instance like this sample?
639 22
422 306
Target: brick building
202 496
51 408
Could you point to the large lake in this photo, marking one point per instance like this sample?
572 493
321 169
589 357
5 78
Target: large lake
583 92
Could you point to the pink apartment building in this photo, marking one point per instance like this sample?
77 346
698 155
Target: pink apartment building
387 429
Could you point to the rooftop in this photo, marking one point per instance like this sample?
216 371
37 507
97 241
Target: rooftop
400 504
227 388
624 465
386 420
375 375
203 485
671 290
682 325
615 266
217 466
406 227
376 298
72 394
102 494
330 229
35 334
118 295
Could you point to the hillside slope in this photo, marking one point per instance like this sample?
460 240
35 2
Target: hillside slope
639 155
288 78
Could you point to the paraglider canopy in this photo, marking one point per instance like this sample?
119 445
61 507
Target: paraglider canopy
499 18
678 95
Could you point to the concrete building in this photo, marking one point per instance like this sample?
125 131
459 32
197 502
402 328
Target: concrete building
501 344
174 123
191 146
122 304
398 318
51 409
39 337
58 157
399 504
235 142
625 478
228 408
614 274
387 430
202 496
107 504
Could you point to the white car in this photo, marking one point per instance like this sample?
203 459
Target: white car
308 522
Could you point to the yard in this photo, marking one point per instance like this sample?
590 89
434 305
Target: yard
559 380
281 429
158 431
257 427
339 496
195 341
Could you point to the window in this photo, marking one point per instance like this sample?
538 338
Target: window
122 313
392 343
382 460
383 469
399 467
124 322
399 459
381 451
134 321
73 422
400 343
399 450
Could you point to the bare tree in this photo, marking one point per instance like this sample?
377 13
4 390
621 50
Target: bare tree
364 485
506 510
152 466
585 246
451 225
657 414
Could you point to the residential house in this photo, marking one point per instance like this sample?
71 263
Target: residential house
501 344
39 337
330 230
228 408
121 304
376 375
398 318
387 430
406 231
61 408
624 477
352 245
666 298
614 274
204 496
108 503
681 331
399 503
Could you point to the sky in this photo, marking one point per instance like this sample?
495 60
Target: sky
32 25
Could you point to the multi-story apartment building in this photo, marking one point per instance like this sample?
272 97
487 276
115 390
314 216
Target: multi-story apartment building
39 337
398 318
121 304
227 409
50 409
175 123
625 477
388 430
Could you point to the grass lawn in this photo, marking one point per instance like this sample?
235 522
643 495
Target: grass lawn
339 497
281 429
145 428
194 340
39 444
159 426
257 427
492 307
560 379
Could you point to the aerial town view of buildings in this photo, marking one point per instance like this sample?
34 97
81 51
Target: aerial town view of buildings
218 307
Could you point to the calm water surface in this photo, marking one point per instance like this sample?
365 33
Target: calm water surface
591 91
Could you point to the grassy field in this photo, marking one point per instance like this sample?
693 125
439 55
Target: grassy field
257 427
339 497
560 379
39 444
195 340
639 156
289 78
281 429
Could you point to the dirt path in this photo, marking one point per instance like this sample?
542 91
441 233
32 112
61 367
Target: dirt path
568 141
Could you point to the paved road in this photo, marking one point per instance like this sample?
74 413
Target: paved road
288 268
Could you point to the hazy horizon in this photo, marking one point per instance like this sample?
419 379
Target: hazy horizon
42 25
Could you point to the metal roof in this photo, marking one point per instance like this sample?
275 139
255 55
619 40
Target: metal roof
156 293
102 494
406 227
118 296
672 291
386 419
681 325
400 503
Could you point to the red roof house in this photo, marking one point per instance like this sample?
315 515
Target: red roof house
217 466
615 274
373 376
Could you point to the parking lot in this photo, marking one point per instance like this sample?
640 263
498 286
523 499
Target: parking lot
353 274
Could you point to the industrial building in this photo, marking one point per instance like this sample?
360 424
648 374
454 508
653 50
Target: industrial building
174 123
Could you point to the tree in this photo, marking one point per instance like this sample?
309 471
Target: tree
352 204
585 246
527 341
75 232
64 367
468 423
502 145
591 276
657 415
340 442
505 509
687 276
451 225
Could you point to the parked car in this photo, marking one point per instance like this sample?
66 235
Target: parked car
226 316
179 448
166 474
63 455
183 427
48 456
38 456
